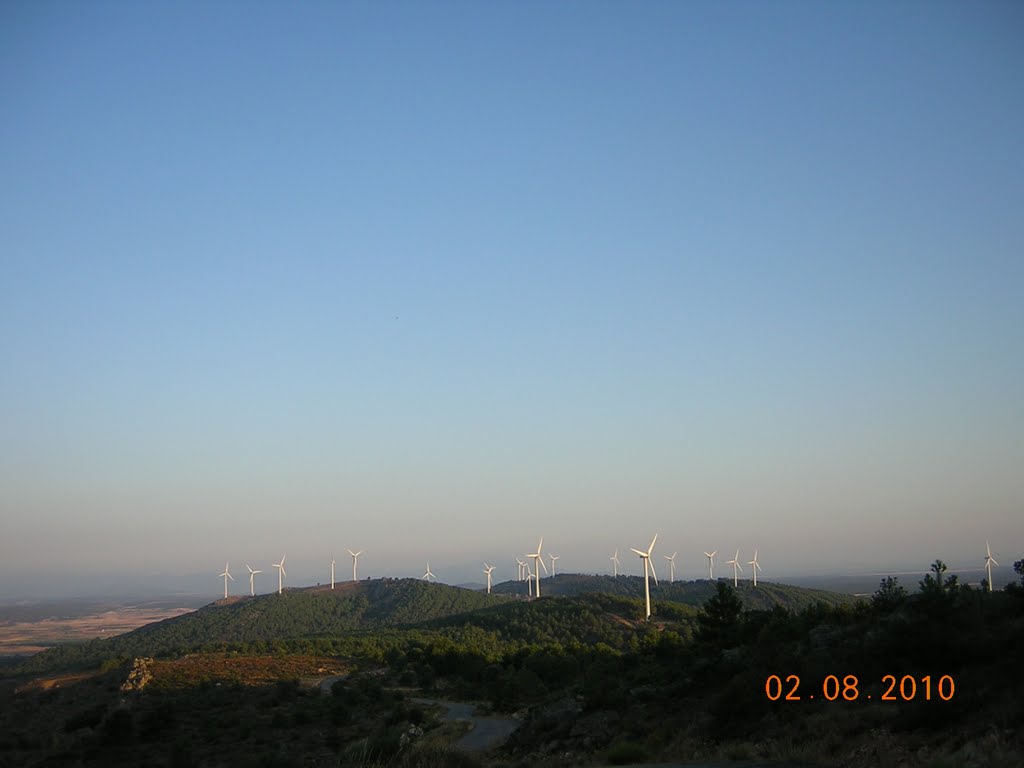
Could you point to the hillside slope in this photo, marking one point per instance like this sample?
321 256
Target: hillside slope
296 613
765 595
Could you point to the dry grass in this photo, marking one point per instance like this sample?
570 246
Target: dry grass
229 668
27 637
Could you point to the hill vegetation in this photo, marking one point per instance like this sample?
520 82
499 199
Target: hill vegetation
268 622
765 595
918 680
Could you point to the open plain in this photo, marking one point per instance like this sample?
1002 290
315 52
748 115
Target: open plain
28 629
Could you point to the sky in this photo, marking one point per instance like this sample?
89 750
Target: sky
434 280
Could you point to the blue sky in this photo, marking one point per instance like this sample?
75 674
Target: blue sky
436 279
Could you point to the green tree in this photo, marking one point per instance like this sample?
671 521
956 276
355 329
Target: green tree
938 585
889 595
1018 568
719 620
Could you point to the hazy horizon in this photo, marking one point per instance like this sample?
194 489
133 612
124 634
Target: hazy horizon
47 587
434 280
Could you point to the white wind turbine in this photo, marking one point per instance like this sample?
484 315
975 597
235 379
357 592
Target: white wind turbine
226 576
281 572
671 567
553 559
615 563
333 563
646 557
735 563
538 560
428 575
252 575
989 562
488 570
355 560
522 568
711 564
754 567
530 578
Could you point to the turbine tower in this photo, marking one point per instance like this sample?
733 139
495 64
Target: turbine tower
538 560
646 557
488 569
615 563
529 578
428 575
671 567
226 576
252 575
280 572
553 559
711 564
522 567
333 563
754 567
355 559
989 562
735 563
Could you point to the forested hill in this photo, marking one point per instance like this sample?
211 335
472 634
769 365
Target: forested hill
296 613
765 595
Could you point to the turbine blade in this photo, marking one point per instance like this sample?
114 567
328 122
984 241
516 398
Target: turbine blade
651 548
541 561
642 554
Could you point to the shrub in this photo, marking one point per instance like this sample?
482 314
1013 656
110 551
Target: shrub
626 752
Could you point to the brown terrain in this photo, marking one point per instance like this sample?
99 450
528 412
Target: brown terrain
25 634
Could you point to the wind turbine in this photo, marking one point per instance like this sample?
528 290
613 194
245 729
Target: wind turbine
754 567
553 559
646 557
989 562
522 566
538 560
735 563
252 575
488 569
333 563
428 575
281 572
615 563
226 576
671 567
711 564
355 559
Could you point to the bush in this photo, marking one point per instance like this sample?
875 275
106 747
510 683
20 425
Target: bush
626 752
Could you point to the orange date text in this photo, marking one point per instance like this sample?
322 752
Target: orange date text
848 688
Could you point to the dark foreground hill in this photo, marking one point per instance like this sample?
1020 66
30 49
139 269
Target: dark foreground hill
762 597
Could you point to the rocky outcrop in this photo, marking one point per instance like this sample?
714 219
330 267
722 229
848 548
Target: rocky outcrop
139 676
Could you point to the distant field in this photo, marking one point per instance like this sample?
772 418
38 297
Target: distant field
26 631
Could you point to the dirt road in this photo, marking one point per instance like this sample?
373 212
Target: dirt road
485 732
